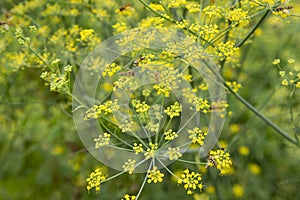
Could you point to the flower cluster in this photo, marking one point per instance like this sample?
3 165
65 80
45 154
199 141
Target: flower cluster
173 110
140 107
220 159
174 153
167 81
170 135
197 135
126 126
111 69
150 153
234 85
138 148
58 81
226 50
95 179
129 166
191 181
97 111
289 78
238 16
102 140
153 127
128 197
154 175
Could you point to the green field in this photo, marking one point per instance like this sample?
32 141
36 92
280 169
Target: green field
173 55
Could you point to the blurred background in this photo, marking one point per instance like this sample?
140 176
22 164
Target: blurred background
42 157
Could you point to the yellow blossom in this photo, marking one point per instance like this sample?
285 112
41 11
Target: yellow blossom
155 175
219 159
111 69
174 153
170 135
129 166
284 82
276 61
156 7
234 128
291 61
173 110
237 190
138 148
151 151
190 180
95 179
119 27
226 50
197 135
177 3
102 140
244 151
128 197
238 15
254 168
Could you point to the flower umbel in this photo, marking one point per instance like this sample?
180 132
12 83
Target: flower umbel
95 179
170 135
151 152
197 135
174 110
155 175
174 153
102 140
129 166
190 180
219 159
128 197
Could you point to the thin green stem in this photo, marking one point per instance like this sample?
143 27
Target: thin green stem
108 130
112 177
167 169
220 35
144 182
10 82
38 56
191 162
186 123
261 116
76 99
253 109
262 19
119 148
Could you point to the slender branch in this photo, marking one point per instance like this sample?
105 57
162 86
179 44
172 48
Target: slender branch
253 109
254 28
261 116
37 55
144 182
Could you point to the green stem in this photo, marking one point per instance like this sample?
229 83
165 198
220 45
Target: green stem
254 28
191 162
144 182
38 56
10 82
261 116
168 170
118 138
221 34
114 176
253 109
76 99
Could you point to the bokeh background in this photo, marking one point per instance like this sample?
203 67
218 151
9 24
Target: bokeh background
42 157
